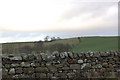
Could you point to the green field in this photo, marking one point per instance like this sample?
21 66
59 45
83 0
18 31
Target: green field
96 44
90 43
70 41
86 44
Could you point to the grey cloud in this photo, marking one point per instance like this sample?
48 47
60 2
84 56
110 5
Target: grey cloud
18 37
17 34
110 26
96 8
11 36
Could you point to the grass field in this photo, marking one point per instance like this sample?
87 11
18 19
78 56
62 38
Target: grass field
70 41
86 44
96 44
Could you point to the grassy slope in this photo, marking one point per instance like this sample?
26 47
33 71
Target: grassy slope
14 47
87 44
97 44
70 41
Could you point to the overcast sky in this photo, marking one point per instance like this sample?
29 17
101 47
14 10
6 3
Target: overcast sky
32 20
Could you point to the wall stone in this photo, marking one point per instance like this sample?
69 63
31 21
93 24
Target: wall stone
65 65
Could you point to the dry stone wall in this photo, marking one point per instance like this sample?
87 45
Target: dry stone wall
66 65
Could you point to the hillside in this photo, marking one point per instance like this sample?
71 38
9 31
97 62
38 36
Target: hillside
86 44
97 44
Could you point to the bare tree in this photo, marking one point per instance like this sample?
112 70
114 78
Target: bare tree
46 38
53 39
